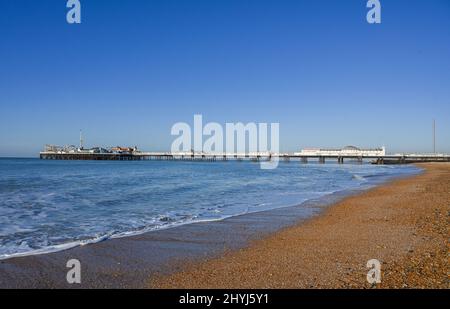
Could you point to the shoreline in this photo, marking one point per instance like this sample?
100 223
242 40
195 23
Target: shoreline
161 251
129 262
321 201
403 224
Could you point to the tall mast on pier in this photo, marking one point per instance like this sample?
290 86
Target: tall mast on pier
81 139
434 136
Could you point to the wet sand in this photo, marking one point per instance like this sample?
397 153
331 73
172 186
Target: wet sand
404 224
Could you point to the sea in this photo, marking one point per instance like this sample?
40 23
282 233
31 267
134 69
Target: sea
48 206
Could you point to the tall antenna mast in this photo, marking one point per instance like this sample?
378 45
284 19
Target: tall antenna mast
434 136
81 139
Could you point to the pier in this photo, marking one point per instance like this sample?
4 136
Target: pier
256 157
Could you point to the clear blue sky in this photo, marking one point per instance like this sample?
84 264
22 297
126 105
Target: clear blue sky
134 68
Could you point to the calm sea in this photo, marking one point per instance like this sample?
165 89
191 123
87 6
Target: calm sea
52 205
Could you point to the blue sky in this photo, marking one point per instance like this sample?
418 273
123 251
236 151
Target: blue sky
134 68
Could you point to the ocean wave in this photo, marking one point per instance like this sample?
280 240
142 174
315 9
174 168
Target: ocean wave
359 177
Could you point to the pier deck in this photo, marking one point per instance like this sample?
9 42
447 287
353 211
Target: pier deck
387 159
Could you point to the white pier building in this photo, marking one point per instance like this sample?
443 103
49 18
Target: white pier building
349 151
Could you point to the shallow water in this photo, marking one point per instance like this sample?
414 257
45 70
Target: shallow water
52 205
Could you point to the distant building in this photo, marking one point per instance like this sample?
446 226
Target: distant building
344 152
95 150
120 149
